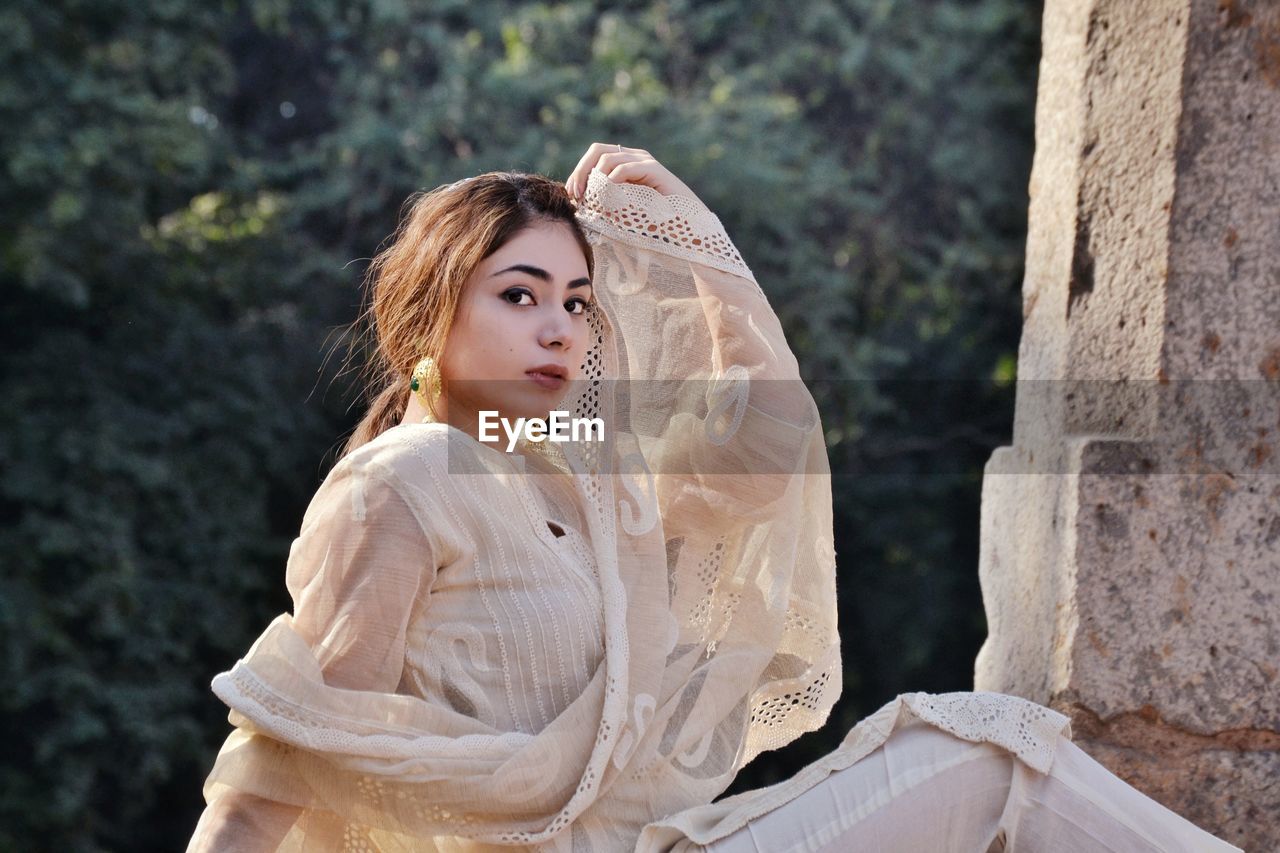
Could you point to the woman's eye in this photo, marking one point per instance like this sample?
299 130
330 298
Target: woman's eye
581 305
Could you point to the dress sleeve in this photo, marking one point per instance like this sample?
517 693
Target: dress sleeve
716 399
361 565
356 570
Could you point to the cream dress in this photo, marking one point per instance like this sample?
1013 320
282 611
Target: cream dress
578 649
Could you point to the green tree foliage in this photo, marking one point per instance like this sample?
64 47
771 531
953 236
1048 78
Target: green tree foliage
192 188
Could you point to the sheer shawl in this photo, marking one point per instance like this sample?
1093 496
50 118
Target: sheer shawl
707 512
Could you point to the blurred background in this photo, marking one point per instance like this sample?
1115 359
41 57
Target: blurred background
191 191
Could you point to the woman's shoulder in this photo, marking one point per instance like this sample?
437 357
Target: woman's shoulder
413 462
406 451
428 465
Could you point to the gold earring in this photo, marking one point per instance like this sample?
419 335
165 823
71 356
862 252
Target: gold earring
426 380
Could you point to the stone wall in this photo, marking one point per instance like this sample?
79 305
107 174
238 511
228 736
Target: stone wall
1130 557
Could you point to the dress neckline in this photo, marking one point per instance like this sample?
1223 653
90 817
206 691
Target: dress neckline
515 459
519 462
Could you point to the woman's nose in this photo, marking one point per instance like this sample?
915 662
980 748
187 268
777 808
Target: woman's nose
558 328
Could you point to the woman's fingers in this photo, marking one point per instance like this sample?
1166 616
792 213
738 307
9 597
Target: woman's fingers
629 165
603 154
578 177
611 161
637 171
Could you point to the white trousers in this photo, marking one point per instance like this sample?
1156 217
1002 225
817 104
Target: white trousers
926 790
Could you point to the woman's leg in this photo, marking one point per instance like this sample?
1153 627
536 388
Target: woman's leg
922 790
925 789
1081 805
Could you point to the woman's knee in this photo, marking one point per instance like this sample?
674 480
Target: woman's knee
923 789
919 750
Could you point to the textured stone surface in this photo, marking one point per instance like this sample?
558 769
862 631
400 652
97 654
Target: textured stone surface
1232 773
1130 542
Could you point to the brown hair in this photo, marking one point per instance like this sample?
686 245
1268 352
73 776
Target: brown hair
414 284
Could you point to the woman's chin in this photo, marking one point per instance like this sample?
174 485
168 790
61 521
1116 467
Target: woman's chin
528 409
518 402
538 402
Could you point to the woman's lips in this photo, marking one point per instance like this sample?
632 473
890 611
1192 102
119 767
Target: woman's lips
546 380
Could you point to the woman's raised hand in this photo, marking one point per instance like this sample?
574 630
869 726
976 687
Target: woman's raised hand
628 166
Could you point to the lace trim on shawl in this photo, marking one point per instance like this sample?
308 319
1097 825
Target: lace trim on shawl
279 717
803 704
1025 728
678 225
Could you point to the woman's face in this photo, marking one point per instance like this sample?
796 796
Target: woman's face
524 307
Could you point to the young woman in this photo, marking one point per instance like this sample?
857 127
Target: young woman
499 641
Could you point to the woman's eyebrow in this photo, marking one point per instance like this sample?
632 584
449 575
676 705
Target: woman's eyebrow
538 272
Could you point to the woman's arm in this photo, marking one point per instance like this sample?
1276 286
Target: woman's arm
716 397
360 565
238 822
